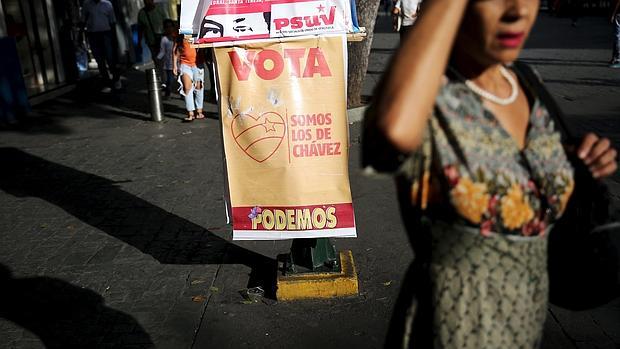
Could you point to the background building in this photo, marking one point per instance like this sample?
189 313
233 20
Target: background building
52 49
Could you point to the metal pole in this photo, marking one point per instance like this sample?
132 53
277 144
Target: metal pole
153 84
313 255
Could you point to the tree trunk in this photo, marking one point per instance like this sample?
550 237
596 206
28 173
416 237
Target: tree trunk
359 51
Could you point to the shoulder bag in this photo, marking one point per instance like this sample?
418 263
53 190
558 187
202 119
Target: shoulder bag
583 245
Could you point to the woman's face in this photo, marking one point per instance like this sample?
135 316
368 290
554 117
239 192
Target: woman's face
494 31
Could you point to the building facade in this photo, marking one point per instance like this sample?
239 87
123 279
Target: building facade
52 48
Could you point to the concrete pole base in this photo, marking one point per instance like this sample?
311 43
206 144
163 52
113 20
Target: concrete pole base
320 285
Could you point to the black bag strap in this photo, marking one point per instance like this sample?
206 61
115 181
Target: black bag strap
535 83
587 188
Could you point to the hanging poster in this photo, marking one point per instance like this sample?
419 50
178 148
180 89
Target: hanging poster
232 20
285 131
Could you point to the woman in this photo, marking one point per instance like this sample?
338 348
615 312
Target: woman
482 175
191 77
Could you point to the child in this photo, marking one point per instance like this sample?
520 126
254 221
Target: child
191 77
166 55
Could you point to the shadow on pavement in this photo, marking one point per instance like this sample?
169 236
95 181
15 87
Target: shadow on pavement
100 203
565 62
173 111
86 100
388 51
551 32
383 23
586 82
63 315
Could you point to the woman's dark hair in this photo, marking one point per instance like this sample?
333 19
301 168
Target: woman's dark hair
179 43
168 22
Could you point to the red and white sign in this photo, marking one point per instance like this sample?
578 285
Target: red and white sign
232 20
310 17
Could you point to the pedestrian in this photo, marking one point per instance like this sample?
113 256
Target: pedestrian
481 173
166 54
151 27
98 15
386 4
574 7
404 16
556 7
188 65
615 21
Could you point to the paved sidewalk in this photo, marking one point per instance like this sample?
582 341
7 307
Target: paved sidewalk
113 227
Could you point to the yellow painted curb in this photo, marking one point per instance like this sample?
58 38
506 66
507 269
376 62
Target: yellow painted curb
320 285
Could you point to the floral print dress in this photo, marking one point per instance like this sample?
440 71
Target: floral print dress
492 184
488 270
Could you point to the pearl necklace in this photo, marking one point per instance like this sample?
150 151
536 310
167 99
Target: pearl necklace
493 98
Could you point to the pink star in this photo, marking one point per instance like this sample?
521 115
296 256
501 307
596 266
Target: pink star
321 8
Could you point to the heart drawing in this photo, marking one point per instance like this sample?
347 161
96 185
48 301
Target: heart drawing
258 136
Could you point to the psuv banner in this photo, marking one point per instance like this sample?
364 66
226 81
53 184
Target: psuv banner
285 131
233 20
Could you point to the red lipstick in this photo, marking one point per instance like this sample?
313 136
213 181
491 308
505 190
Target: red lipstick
511 39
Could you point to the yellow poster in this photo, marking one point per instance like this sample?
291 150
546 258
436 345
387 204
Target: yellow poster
285 131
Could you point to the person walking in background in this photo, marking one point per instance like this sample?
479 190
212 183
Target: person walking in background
555 6
166 55
98 15
151 27
188 64
404 15
481 172
615 21
574 6
387 5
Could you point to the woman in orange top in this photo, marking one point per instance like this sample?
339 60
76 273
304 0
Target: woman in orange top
191 77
